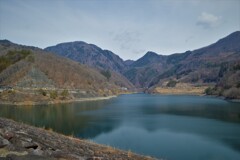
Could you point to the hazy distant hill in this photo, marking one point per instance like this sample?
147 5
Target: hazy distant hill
142 71
128 62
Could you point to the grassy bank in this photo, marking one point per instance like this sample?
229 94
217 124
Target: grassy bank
181 89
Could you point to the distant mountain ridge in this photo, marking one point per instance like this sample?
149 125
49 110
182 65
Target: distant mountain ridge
89 54
210 65
148 58
197 66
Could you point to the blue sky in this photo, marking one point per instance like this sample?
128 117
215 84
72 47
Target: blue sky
129 28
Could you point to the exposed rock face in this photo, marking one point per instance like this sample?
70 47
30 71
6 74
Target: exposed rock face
20 141
37 79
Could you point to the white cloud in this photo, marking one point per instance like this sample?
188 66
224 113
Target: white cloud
208 20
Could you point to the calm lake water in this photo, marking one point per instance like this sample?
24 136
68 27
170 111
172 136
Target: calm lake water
171 127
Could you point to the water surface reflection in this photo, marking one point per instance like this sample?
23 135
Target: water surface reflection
174 127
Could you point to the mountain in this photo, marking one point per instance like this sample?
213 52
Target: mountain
89 54
229 82
201 66
224 45
78 65
142 71
148 59
128 62
29 68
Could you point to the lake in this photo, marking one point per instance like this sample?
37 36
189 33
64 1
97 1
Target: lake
164 126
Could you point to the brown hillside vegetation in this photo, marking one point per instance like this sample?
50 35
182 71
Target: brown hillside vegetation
229 84
201 66
41 70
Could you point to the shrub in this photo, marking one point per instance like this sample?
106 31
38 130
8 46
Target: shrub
238 85
53 94
171 83
236 67
64 93
232 93
107 74
11 91
31 59
4 63
12 57
43 92
214 91
209 91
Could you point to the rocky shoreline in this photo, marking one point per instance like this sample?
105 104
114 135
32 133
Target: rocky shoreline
33 103
21 141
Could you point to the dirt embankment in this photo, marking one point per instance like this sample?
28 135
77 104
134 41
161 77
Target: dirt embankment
181 88
20 141
44 97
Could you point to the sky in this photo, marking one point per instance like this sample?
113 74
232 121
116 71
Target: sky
129 28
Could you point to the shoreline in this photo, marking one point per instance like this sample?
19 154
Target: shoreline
200 95
32 103
23 141
191 91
